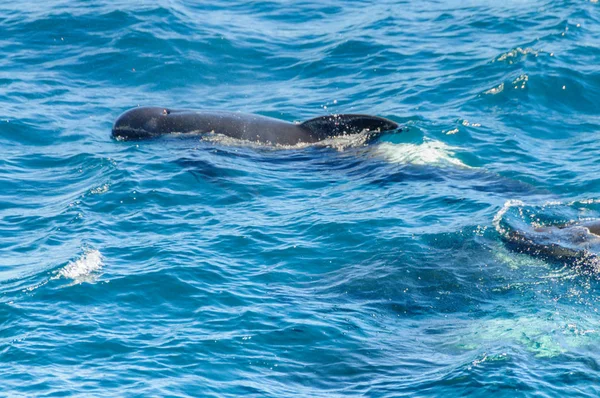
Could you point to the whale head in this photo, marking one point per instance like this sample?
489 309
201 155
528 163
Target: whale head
142 122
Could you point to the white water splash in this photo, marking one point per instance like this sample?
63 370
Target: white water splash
83 269
100 190
430 152
496 222
339 143
495 90
511 55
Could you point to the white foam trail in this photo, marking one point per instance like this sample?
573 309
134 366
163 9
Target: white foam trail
339 143
430 152
83 268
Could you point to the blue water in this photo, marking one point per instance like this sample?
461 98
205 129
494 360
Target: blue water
210 267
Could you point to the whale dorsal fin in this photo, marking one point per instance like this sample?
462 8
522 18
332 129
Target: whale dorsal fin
334 125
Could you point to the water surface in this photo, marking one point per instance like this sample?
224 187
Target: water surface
191 267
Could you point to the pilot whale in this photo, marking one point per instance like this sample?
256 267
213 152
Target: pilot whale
148 122
574 244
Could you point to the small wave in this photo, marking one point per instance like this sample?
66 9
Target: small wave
100 190
521 81
497 221
430 152
513 54
496 90
518 83
83 269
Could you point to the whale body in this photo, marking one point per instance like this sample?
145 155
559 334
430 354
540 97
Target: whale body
148 122
575 244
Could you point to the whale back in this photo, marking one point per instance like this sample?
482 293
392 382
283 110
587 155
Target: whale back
147 122
323 127
593 227
575 245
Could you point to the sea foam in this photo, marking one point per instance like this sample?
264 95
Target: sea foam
430 152
82 269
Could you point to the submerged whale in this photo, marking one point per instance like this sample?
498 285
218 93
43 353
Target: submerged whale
148 122
574 244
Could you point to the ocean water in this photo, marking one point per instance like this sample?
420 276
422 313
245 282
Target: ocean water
209 267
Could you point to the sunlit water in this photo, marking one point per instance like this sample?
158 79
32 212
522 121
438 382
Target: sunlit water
197 267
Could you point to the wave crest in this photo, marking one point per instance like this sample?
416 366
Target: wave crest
82 269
